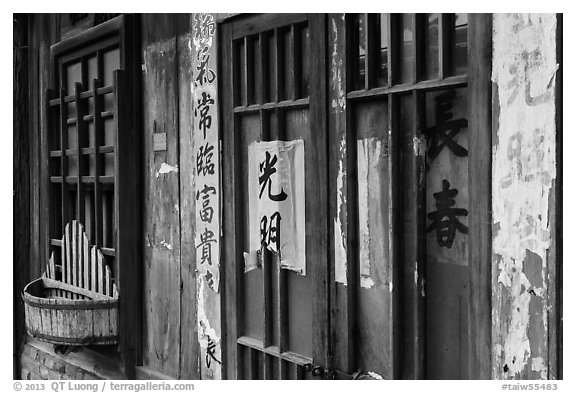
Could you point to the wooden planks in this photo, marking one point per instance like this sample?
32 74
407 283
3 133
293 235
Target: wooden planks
161 275
189 348
480 172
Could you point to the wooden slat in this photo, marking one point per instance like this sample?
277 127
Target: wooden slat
67 268
444 45
93 265
453 81
341 136
280 65
232 217
267 259
107 281
479 191
394 43
74 265
370 50
64 160
86 264
295 54
100 272
419 48
81 137
51 268
264 74
96 236
248 72
68 288
317 257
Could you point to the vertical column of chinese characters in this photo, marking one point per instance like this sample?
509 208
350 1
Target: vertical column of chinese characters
270 218
206 151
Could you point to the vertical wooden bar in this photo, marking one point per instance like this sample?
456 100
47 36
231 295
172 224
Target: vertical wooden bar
262 48
63 157
280 67
370 50
266 366
267 259
479 191
296 54
419 48
252 363
342 142
282 279
233 216
66 267
74 265
444 45
394 148
80 137
248 71
86 262
318 257
96 236
93 264
100 272
394 38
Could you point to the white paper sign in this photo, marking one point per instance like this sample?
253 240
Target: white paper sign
277 203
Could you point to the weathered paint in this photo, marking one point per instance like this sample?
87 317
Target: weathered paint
338 105
166 168
369 187
340 262
524 168
209 331
203 90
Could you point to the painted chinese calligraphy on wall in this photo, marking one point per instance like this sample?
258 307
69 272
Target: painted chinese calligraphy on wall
207 193
206 152
447 279
276 203
447 177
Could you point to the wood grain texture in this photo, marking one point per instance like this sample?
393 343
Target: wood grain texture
21 172
342 226
189 349
479 187
161 301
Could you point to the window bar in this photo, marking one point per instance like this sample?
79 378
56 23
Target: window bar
63 157
248 71
419 48
80 212
444 45
282 306
80 137
419 310
266 262
253 355
370 51
295 52
96 236
64 171
280 66
267 366
264 90
393 52
394 144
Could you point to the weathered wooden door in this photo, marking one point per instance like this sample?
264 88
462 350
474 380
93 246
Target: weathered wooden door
273 88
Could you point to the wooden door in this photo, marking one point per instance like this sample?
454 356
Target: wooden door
273 88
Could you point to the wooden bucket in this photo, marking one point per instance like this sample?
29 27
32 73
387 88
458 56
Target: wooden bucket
75 302
92 319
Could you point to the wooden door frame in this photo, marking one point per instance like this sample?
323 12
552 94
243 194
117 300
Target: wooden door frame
232 249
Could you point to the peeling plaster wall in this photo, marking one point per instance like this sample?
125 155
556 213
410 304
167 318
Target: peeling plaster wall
523 183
